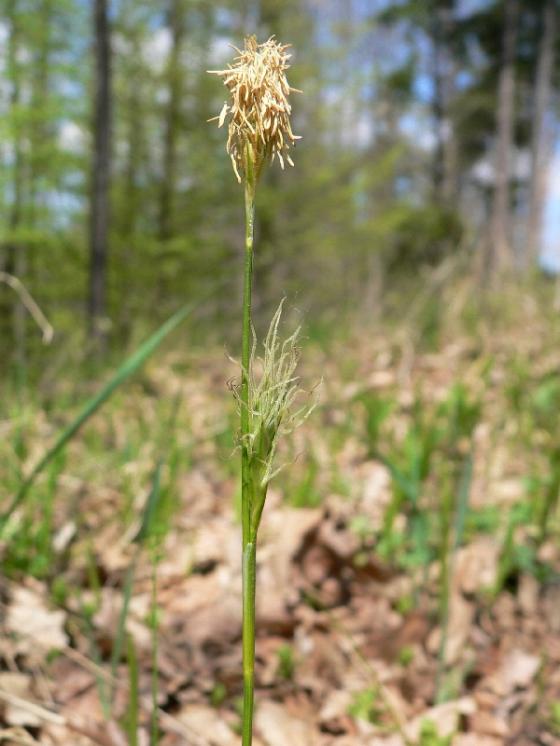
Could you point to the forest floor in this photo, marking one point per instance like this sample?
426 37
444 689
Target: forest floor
349 646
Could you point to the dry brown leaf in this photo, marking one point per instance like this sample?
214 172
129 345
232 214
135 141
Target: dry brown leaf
336 706
461 616
206 724
17 684
476 739
517 670
33 623
489 724
277 727
476 565
16 737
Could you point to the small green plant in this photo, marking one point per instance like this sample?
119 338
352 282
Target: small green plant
454 501
259 129
286 662
409 464
218 694
429 735
377 410
554 718
153 526
131 717
367 705
536 403
305 493
406 656
460 413
360 525
31 550
515 557
405 604
544 492
431 467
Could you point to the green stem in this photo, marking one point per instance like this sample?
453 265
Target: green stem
249 583
154 724
249 541
245 364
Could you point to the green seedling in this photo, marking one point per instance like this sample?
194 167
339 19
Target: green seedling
377 410
131 718
305 493
513 556
429 735
544 493
410 465
367 705
453 513
405 656
286 662
218 694
554 718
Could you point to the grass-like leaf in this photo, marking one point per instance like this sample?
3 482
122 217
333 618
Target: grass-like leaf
133 697
141 537
130 366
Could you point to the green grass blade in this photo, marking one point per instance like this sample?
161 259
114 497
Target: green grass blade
121 625
408 486
463 499
150 509
130 366
154 720
143 534
461 510
133 697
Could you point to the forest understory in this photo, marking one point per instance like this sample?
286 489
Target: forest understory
420 502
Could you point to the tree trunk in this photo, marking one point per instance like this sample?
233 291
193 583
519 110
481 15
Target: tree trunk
41 131
101 168
444 165
14 259
132 207
134 128
541 136
176 26
500 252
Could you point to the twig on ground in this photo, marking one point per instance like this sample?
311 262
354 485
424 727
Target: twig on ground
33 308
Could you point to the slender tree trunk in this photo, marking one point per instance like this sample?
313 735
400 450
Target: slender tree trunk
132 206
444 165
438 106
132 162
541 135
450 186
176 26
15 260
101 176
500 252
41 133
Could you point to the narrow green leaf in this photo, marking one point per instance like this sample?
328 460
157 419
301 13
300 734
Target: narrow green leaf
463 498
143 534
133 698
121 625
130 366
408 487
150 509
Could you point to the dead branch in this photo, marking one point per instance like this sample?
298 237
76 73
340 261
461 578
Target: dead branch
33 308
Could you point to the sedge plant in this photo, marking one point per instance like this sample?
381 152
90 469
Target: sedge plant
259 130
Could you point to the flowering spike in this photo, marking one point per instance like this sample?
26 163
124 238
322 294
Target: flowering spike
259 110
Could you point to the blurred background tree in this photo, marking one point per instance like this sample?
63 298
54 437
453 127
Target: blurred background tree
428 128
